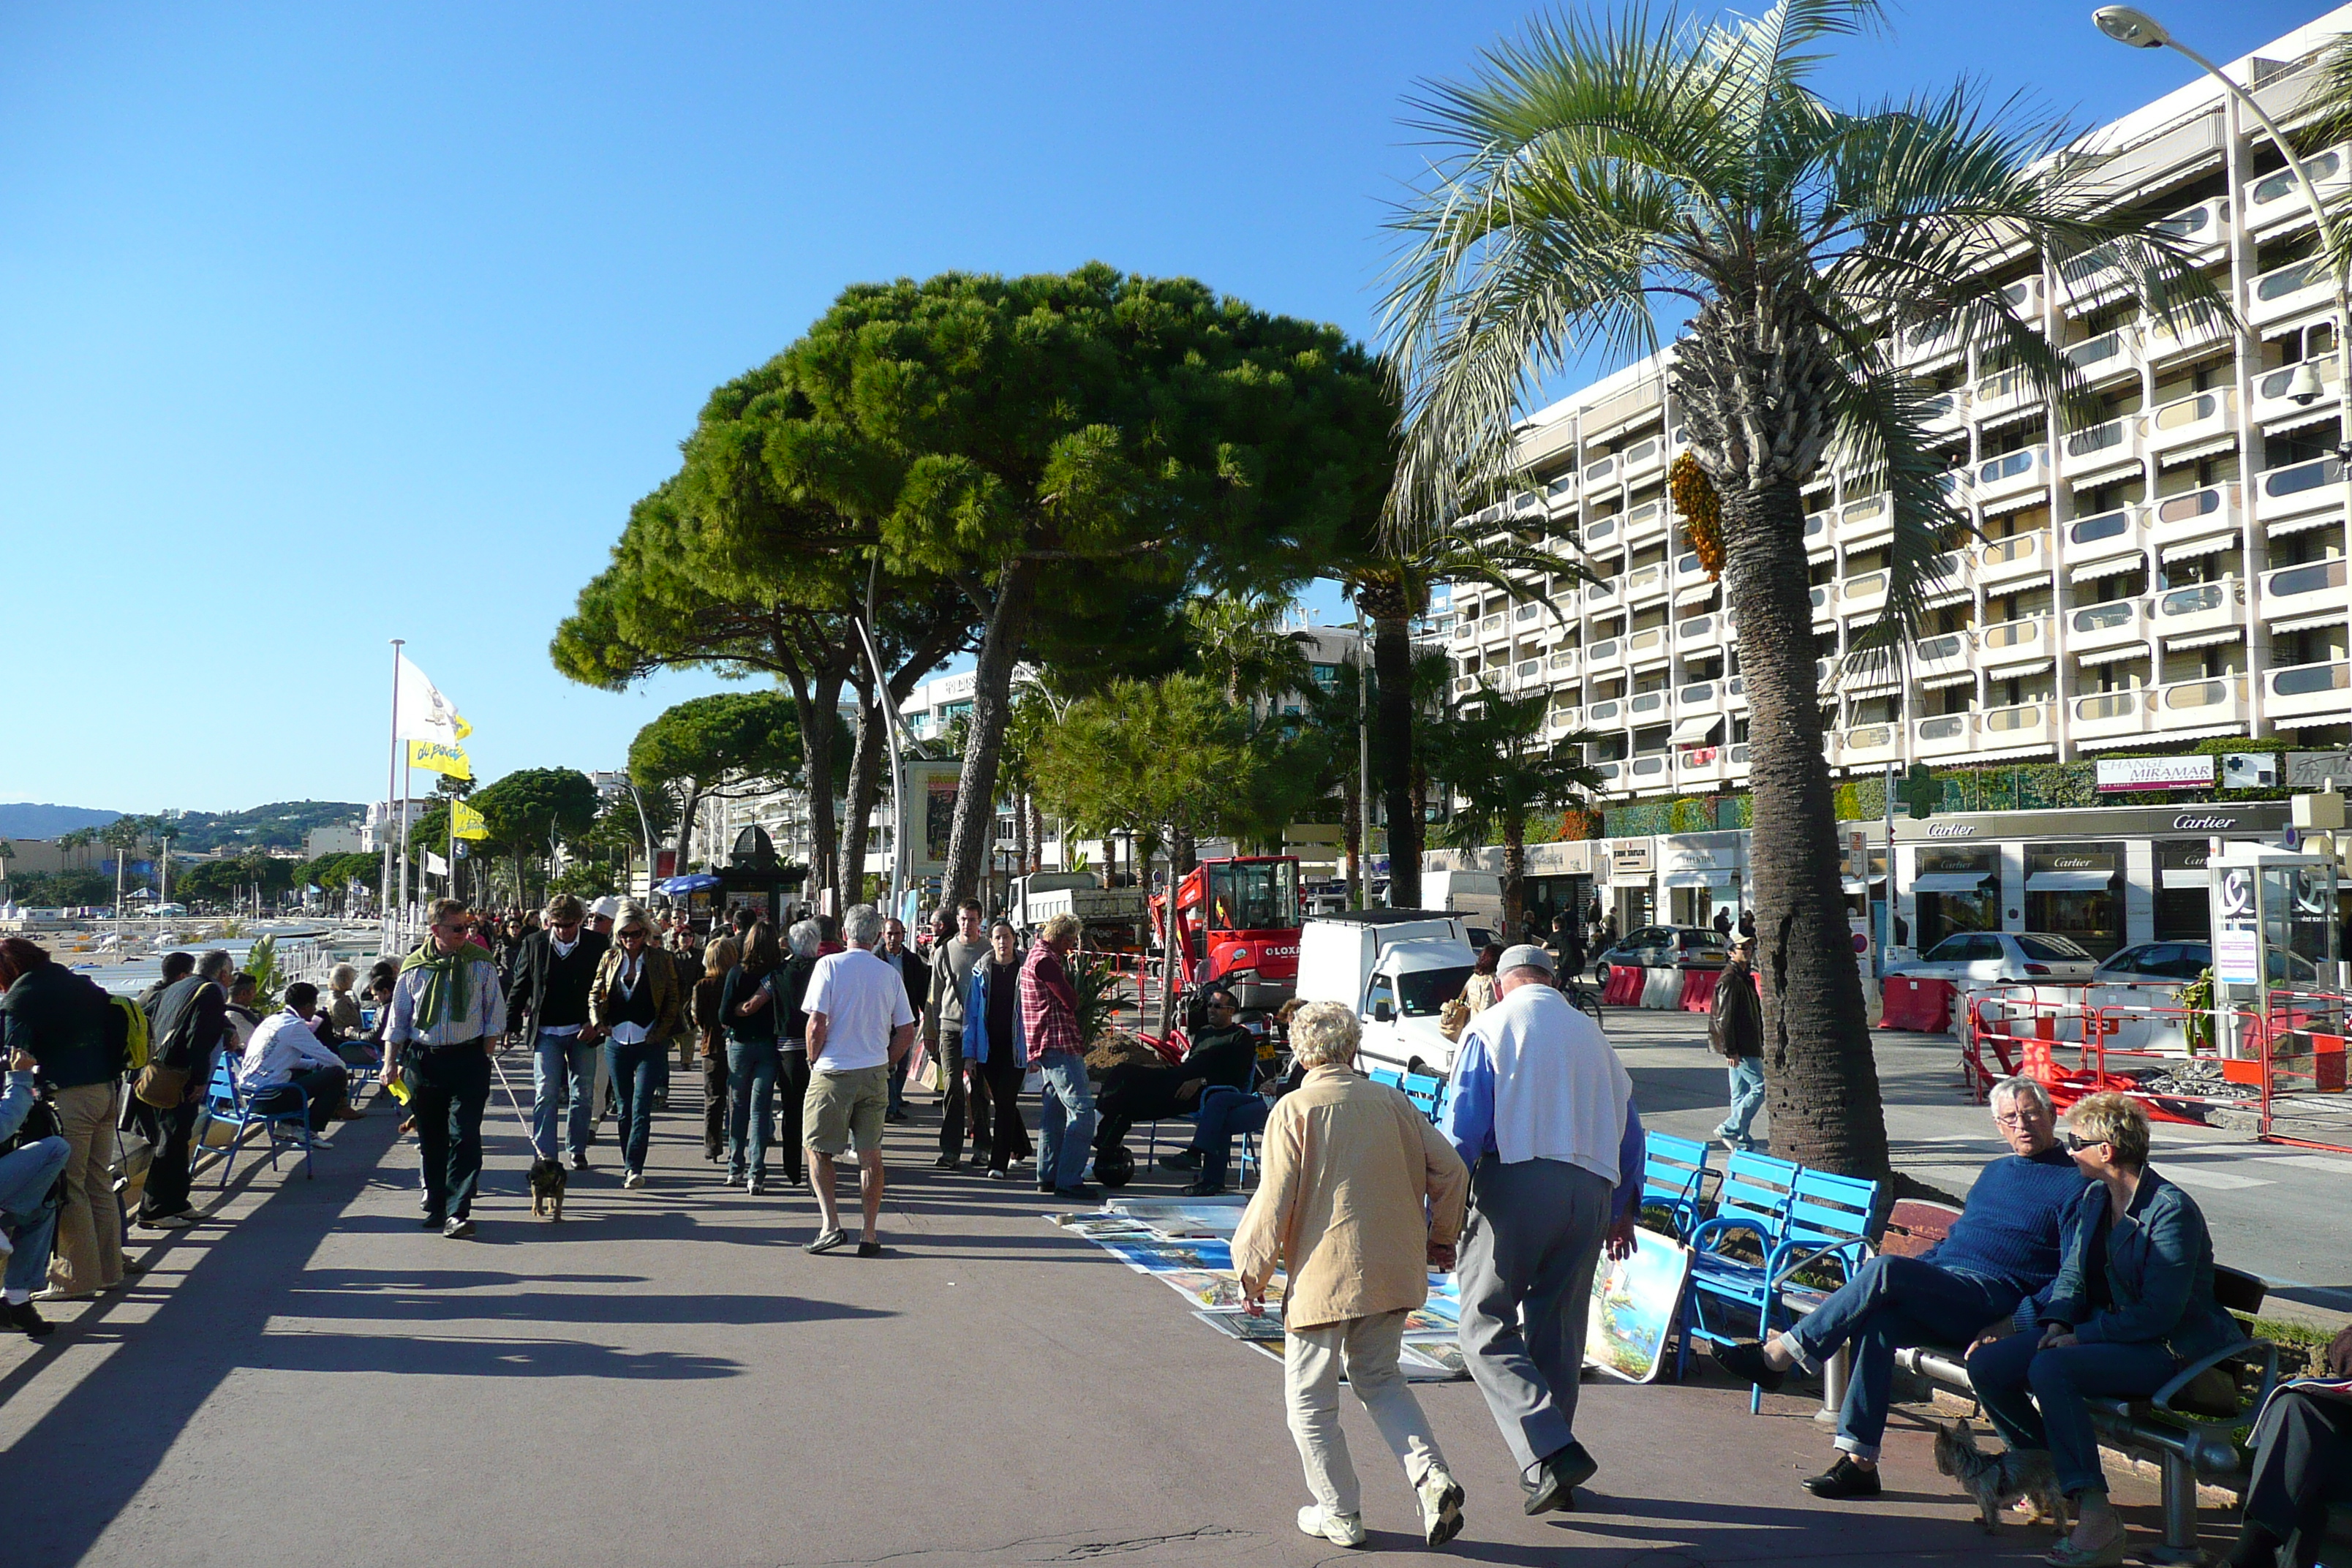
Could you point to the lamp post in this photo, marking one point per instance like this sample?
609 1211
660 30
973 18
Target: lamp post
2127 25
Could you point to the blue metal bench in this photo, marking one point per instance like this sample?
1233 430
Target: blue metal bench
1673 1177
1427 1094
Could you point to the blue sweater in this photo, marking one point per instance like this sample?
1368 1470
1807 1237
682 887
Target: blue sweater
2014 1227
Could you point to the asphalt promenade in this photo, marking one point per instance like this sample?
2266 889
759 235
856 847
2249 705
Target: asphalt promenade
665 1378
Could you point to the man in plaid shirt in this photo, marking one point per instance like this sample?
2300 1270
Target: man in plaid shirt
1049 1021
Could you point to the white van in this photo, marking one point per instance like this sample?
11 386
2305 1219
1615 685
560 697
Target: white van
1397 968
1477 896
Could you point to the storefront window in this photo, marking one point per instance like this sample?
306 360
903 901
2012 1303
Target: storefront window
1956 891
2184 899
2076 892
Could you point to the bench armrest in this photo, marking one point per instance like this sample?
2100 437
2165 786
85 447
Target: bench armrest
1781 1271
1725 1225
2263 1350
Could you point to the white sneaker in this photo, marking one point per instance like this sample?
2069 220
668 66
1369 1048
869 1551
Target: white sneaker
1441 1506
633 1179
1339 1529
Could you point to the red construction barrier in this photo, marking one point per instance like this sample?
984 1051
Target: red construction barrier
1625 987
1698 989
1922 1006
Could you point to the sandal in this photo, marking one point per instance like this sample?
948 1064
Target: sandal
2066 1555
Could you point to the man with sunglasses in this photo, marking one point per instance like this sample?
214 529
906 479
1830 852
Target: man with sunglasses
553 973
1984 1281
448 1015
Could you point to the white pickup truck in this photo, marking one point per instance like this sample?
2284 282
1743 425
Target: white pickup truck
1397 968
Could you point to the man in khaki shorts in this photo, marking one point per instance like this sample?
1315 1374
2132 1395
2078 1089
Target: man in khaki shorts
860 1021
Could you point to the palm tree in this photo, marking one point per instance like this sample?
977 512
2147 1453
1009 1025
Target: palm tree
1239 641
1592 168
1391 584
1491 752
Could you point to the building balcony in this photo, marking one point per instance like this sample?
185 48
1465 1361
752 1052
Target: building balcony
1559 495
1646 708
1735 694
2012 474
2111 356
2200 607
1652 771
1699 633
1612 777
1698 697
1604 595
2114 447
2301 590
2111 625
1947 654
2299 689
1702 765
1649 646
2276 203
2025 297
1564 721
1608 713
2297 489
1943 735
1945 412
2107 713
2013 642
2294 290
1948 577
1644 523
1735 761
1866 522
1609 654
1598 532
2204 419
1867 743
2203 230
1465 630
1692 584
1817 533
1824 597
1527 674
1955 485
1642 459
1862 596
2162 342
2104 536
2025 725
2001 394
2201 704
1931 343
2270 389
2018 556
2196 515
1562 662
1646 584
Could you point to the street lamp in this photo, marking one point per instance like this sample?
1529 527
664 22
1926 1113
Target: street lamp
2127 25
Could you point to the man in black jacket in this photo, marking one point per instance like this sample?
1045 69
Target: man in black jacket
1224 1054
552 974
68 1026
191 1021
917 975
1734 1027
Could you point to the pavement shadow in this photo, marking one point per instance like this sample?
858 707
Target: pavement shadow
470 1357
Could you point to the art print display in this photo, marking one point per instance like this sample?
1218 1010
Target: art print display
1634 1302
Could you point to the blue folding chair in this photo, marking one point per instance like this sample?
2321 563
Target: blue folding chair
226 1101
1752 1202
1674 1178
1426 1093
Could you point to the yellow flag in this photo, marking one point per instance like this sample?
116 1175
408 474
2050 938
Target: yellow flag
465 822
434 757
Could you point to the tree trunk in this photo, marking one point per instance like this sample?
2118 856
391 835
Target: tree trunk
1823 1078
815 703
1025 833
975 829
1515 876
864 785
1352 829
685 850
1392 743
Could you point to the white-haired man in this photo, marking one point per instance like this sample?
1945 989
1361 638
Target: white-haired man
1349 1165
860 1021
1543 1112
1984 1281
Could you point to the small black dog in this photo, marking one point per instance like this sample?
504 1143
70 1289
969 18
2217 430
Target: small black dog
547 1179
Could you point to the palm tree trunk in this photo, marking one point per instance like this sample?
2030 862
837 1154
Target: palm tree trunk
865 784
1351 820
975 829
1823 1078
1392 737
1514 873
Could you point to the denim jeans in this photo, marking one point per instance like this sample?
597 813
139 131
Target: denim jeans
1225 1114
560 1063
1889 1303
636 1069
1747 1100
2059 1379
750 1104
26 1176
1066 1120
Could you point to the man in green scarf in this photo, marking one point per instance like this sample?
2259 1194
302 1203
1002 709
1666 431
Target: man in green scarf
447 1016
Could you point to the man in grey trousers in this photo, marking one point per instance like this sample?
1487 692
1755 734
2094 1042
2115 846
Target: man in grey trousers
1543 1112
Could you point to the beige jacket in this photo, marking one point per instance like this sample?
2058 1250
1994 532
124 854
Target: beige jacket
1348 1163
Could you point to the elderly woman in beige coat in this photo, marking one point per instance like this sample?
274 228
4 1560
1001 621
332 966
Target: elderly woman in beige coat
1348 1164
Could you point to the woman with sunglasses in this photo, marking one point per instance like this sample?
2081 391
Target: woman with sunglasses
634 1003
2133 1303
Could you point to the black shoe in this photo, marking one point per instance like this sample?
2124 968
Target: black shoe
869 1250
948 1163
1557 1475
1079 1193
1046 1189
432 1222
1206 1188
1746 1362
26 1319
1182 1160
1843 1481
898 1115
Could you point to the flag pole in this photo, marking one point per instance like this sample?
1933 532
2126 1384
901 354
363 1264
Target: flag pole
392 769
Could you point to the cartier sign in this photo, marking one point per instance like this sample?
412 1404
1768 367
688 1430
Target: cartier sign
2190 822
1951 829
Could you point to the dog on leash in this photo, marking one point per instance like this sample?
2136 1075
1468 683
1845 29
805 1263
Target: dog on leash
547 1179
1997 1480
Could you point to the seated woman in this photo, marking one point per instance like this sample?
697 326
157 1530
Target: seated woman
2134 1300
1223 1055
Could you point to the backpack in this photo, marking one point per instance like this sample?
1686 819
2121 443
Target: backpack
126 1033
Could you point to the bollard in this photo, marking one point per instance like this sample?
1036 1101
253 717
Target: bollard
1834 1372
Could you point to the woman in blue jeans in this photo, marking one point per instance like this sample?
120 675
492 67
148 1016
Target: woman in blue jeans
748 1005
2134 1300
635 1000
27 1223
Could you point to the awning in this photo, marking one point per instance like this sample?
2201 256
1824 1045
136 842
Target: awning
2303 420
2181 877
2018 503
1951 881
2019 672
2203 639
1937 682
1714 877
2308 720
678 886
2112 655
2114 566
1853 884
1693 729
2202 449
1699 595
2023 413
2214 545
2068 881
2308 623
2308 519
1942 596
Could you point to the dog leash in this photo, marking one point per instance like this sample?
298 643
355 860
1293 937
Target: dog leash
530 1136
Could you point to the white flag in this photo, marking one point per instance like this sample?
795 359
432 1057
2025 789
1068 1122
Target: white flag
435 866
423 713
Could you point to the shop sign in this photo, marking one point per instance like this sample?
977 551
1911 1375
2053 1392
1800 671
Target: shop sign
2236 817
1566 857
1629 858
2155 772
2237 944
2318 770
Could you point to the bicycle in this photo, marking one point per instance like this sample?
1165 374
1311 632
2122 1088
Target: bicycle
1584 998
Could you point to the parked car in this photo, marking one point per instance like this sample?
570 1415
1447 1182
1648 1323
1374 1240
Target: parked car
2174 962
2002 958
1665 947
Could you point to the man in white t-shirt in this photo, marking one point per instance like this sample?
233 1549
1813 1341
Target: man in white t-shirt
860 1021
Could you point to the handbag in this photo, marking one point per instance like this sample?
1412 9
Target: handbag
1453 1018
161 1087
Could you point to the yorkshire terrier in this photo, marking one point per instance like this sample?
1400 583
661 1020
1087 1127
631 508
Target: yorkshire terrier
1997 1480
547 1179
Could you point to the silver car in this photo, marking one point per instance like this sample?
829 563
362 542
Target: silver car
2002 958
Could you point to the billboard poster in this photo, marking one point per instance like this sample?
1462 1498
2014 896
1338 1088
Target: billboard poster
930 803
2126 774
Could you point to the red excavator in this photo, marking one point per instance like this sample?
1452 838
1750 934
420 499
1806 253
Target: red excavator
1238 924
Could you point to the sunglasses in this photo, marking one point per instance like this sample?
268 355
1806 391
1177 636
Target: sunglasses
634 934
2075 1143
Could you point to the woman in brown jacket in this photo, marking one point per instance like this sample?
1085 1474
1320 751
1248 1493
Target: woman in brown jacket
717 960
634 1002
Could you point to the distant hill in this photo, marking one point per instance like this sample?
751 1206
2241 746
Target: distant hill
25 820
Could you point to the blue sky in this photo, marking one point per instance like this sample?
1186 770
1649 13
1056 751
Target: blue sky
322 325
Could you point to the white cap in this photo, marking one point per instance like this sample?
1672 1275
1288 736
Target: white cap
1527 956
604 908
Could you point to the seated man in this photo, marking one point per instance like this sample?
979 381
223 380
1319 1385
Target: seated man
1983 1282
1225 1114
1223 1055
284 1055
2303 1463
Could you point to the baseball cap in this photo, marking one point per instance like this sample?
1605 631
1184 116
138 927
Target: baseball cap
1527 956
605 909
